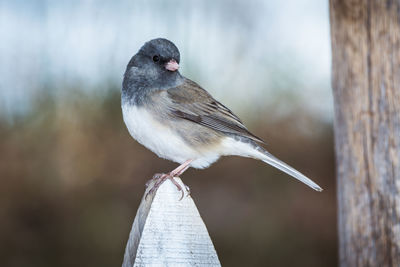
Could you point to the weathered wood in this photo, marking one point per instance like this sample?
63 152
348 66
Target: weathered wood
366 87
168 231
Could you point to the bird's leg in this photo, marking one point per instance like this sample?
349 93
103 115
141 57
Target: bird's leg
179 171
181 168
175 173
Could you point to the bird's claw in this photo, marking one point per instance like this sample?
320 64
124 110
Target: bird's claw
187 190
161 177
155 177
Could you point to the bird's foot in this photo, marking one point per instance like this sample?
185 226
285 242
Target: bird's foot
155 177
187 190
161 178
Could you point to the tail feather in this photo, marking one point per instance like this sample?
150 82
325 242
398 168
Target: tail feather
242 146
272 160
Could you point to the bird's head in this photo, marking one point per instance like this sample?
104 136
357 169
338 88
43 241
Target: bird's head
159 54
154 66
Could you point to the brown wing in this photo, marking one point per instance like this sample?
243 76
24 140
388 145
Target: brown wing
191 102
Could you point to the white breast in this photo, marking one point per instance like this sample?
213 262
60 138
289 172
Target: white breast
160 138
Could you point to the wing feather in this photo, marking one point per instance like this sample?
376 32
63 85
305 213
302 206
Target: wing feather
191 102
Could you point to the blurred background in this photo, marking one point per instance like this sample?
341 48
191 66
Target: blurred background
71 175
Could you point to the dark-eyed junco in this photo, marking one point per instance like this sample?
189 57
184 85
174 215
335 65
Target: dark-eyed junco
178 120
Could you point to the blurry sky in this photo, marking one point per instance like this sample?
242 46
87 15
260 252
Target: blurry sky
248 54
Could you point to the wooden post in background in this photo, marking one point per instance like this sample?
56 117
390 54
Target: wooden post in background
366 87
168 231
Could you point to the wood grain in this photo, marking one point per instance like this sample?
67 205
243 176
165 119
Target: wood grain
366 87
168 231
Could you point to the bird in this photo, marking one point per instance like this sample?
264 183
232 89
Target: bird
178 120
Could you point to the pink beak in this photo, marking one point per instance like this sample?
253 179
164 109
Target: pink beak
172 65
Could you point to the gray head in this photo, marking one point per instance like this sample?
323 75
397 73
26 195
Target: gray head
154 67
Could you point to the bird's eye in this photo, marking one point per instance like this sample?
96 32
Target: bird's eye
156 58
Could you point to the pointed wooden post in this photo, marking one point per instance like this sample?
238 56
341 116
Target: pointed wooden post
168 231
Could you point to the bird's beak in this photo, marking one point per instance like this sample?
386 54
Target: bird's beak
172 65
